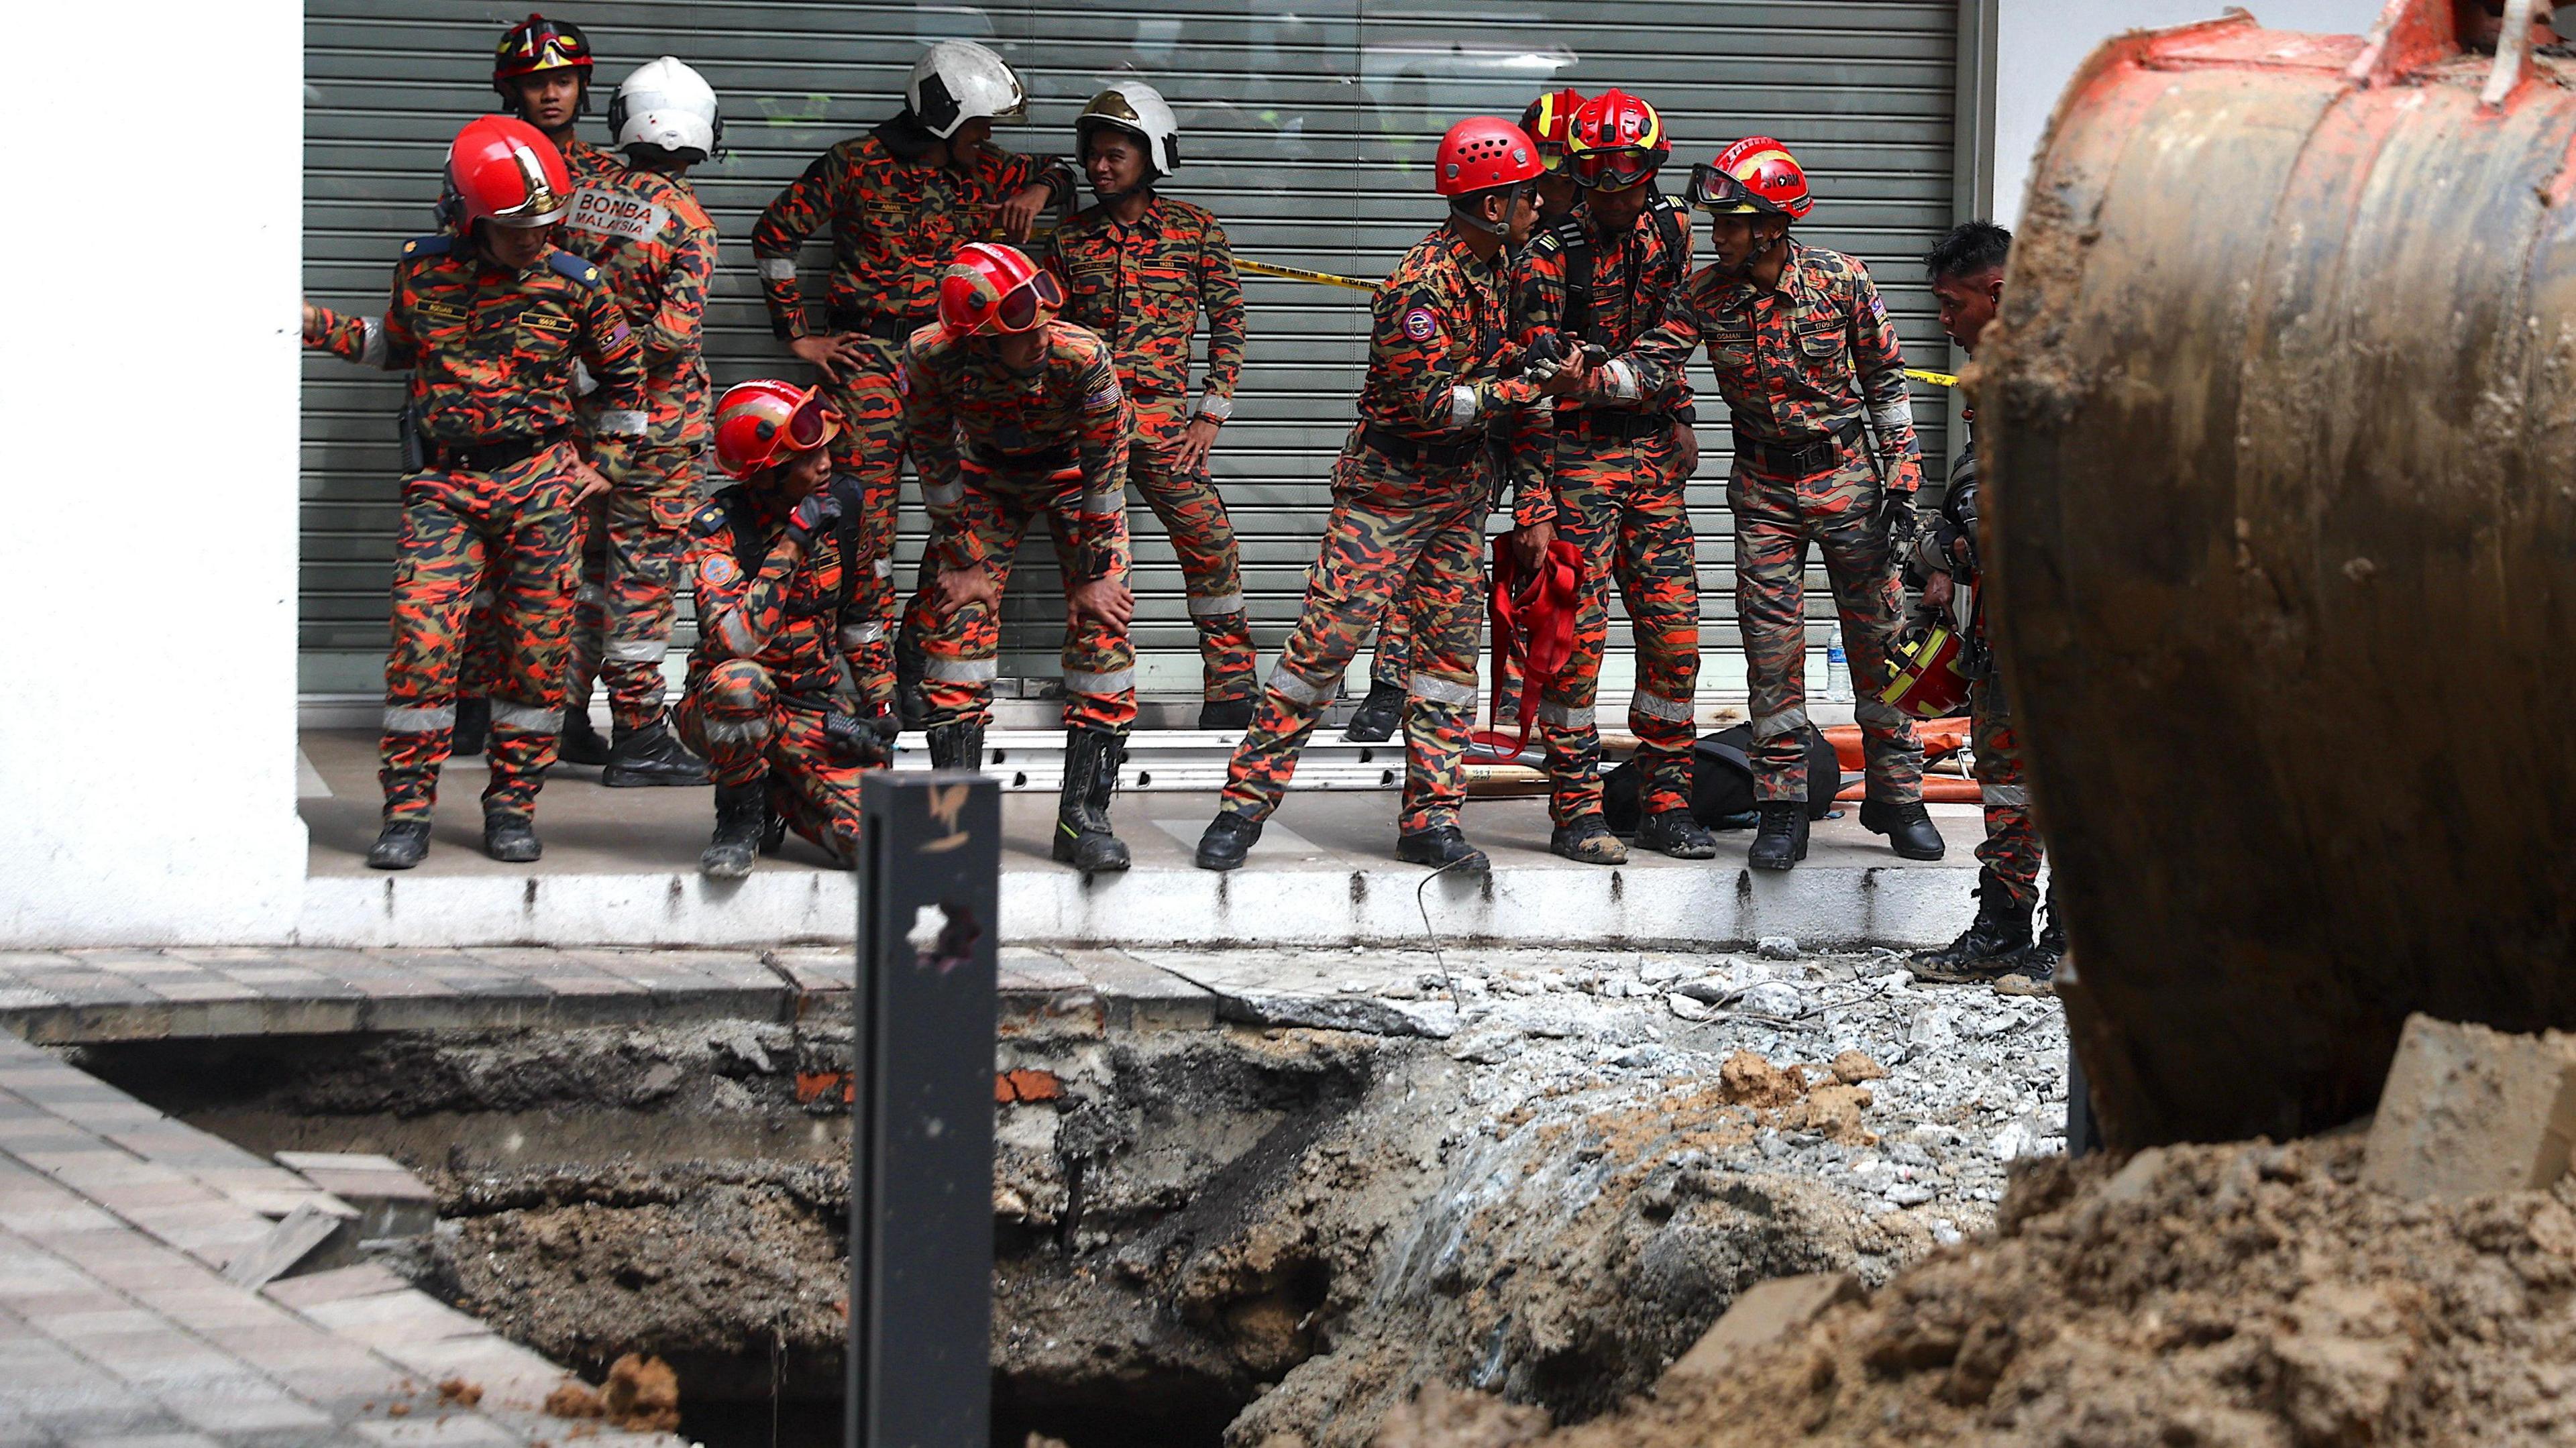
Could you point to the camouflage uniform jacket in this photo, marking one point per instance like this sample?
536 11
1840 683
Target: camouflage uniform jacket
1797 363
1142 288
492 353
963 407
1632 278
586 162
653 242
759 598
1441 359
896 223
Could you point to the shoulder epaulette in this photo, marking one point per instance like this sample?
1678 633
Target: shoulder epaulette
435 244
1664 202
574 267
711 519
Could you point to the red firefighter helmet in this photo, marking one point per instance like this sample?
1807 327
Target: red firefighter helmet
536 44
1928 682
503 170
1546 120
760 424
1755 176
1483 152
995 288
1616 142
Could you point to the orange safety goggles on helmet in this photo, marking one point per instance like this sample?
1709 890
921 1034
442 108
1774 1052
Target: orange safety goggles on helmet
760 424
993 288
1754 177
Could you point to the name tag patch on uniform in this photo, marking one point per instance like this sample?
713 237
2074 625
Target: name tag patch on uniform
719 571
1420 325
606 213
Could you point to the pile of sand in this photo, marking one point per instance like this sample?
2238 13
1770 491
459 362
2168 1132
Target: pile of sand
2245 1294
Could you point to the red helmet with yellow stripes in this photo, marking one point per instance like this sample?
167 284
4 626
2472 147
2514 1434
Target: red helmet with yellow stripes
1546 121
1615 142
762 424
1756 176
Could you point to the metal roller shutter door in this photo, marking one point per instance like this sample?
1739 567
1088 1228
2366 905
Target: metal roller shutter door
1307 130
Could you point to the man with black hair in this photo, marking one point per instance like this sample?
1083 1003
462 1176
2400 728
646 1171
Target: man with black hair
1967 272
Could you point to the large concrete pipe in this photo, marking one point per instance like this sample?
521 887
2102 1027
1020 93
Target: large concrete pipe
2282 433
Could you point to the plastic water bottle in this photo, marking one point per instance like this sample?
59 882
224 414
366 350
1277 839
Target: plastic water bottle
1838 687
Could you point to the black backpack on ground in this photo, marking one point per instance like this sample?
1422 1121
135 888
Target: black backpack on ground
1722 782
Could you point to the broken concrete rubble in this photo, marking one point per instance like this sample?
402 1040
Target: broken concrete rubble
2468 1111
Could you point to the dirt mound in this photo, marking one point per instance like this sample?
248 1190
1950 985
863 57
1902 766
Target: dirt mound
2245 1294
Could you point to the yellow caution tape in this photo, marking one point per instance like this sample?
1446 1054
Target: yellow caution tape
1937 379
1296 274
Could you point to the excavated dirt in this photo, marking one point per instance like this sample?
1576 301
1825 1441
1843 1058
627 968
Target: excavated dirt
2247 1294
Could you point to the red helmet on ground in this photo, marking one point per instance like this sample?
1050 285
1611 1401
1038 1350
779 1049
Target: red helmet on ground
1546 120
1754 177
995 288
1483 152
764 423
1615 142
503 170
1930 682
536 44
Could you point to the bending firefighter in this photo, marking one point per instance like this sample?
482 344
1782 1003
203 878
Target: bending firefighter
1017 417
493 322
776 570
1967 272
1139 268
899 201
1410 496
1811 371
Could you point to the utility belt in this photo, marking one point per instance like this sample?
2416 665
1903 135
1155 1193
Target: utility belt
1044 463
1797 459
486 457
1416 452
883 328
1611 425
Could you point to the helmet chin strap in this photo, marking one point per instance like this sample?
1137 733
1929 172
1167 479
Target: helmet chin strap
1473 222
1757 258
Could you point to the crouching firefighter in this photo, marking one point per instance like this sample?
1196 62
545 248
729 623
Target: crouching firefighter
1967 272
1016 417
778 573
1410 495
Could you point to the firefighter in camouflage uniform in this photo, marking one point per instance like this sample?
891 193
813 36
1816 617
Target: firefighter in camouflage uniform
1139 268
1445 386
1017 417
653 242
492 321
900 200
1609 477
772 565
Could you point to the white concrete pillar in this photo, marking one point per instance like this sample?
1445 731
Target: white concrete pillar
148 501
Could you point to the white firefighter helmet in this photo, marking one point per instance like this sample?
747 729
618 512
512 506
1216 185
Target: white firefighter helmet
669 105
1139 110
957 81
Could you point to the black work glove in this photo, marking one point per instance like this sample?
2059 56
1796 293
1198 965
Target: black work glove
854 741
1897 523
815 512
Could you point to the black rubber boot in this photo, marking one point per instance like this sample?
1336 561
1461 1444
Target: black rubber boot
400 845
910 664
1986 949
1230 715
1228 837
1782 839
651 755
1588 841
581 742
1082 836
1378 715
1678 833
742 817
1441 846
1908 828
473 727
511 839
957 746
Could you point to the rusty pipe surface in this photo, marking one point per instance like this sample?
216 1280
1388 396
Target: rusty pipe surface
2281 440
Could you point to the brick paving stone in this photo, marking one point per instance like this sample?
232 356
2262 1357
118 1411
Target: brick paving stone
19 962
204 990
147 1440
394 1320
314 1289
255 1408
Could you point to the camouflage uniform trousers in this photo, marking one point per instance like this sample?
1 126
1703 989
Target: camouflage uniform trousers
518 528
1775 518
1621 503
962 647
1395 535
2010 852
1203 538
1391 663
867 471
732 714
622 615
